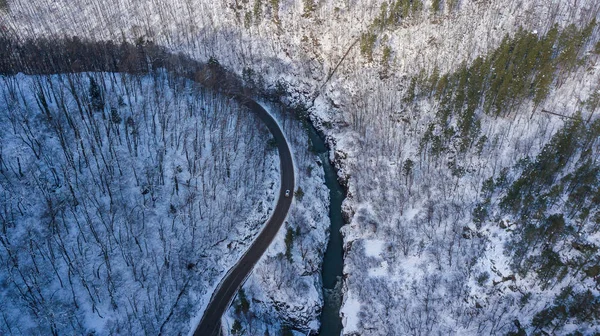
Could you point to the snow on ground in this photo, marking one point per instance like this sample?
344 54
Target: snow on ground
423 216
373 248
349 313
116 197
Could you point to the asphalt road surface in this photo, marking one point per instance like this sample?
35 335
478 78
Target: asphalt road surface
210 324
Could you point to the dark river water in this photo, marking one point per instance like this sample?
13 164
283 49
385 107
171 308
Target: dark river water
333 262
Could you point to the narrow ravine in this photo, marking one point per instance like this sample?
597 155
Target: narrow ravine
333 261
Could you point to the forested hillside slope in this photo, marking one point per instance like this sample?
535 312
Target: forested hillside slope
466 132
115 200
180 120
475 195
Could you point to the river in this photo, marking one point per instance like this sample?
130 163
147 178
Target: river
333 261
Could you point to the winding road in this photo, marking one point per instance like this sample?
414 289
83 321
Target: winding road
210 324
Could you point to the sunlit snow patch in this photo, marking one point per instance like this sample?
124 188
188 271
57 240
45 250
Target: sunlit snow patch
373 248
349 313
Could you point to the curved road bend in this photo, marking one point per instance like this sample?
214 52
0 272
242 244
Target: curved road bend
219 302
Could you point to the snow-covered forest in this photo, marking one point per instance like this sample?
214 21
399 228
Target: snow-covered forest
116 200
475 196
466 132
